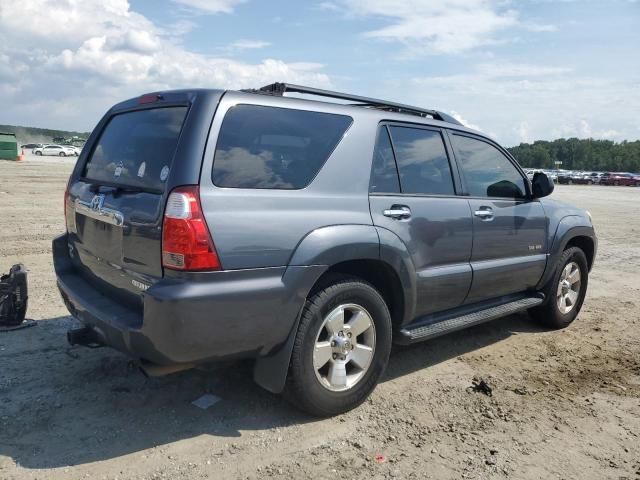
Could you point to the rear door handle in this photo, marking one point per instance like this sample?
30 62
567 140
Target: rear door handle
484 213
398 212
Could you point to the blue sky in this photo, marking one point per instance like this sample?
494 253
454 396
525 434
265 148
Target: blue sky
518 70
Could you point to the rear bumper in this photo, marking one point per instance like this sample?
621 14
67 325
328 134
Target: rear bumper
201 318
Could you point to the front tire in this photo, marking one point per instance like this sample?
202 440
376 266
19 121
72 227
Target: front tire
565 292
62 154
39 153
341 348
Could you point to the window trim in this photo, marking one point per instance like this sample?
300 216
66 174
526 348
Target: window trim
453 167
241 104
465 189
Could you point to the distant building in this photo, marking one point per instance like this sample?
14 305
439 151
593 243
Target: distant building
8 146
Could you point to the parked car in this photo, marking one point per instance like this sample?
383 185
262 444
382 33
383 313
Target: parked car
31 146
58 150
565 177
627 179
207 225
552 175
586 178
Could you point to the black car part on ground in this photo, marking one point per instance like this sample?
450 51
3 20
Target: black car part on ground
13 297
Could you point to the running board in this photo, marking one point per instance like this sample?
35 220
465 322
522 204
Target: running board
435 329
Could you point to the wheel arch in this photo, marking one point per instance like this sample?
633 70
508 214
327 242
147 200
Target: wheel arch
355 250
571 231
584 243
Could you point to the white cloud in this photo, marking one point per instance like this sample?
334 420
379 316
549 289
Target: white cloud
103 52
249 44
524 102
446 26
329 6
464 121
585 129
534 27
522 129
211 6
609 134
501 70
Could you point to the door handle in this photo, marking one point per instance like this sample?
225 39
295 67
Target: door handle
484 213
398 212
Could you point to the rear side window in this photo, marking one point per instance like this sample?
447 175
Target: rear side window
422 161
384 176
136 148
269 147
487 171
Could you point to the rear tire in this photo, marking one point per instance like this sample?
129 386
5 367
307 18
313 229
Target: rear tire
341 348
39 153
565 291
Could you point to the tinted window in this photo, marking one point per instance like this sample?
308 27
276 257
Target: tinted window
422 161
267 147
384 177
487 171
136 148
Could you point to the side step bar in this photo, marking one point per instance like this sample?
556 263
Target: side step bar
422 332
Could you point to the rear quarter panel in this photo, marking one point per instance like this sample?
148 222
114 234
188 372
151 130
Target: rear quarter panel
254 228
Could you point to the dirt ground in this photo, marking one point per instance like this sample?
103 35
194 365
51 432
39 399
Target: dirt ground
565 404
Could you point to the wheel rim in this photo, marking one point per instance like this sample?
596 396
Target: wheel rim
344 347
568 288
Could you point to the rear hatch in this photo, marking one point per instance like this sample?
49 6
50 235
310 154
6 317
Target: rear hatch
116 198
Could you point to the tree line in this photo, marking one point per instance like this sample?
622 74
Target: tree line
41 135
580 154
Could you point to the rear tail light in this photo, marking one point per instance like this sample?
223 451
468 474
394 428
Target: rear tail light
186 244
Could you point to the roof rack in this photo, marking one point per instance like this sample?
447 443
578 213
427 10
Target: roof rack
279 89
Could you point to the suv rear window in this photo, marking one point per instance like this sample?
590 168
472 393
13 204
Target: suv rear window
278 148
136 148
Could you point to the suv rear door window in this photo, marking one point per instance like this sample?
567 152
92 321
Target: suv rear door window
136 148
384 175
487 171
278 148
422 161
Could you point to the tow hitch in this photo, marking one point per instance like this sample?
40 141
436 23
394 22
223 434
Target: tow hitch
85 336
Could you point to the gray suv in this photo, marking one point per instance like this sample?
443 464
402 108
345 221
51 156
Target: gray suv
307 235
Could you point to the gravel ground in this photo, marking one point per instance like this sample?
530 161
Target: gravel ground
565 404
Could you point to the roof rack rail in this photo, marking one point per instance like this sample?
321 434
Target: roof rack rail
279 89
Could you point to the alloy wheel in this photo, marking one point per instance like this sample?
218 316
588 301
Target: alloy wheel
344 347
568 288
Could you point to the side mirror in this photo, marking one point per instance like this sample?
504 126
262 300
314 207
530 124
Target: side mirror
542 185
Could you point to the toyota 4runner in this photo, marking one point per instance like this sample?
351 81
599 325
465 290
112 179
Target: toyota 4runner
307 235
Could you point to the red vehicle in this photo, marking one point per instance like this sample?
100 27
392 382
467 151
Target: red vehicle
627 179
